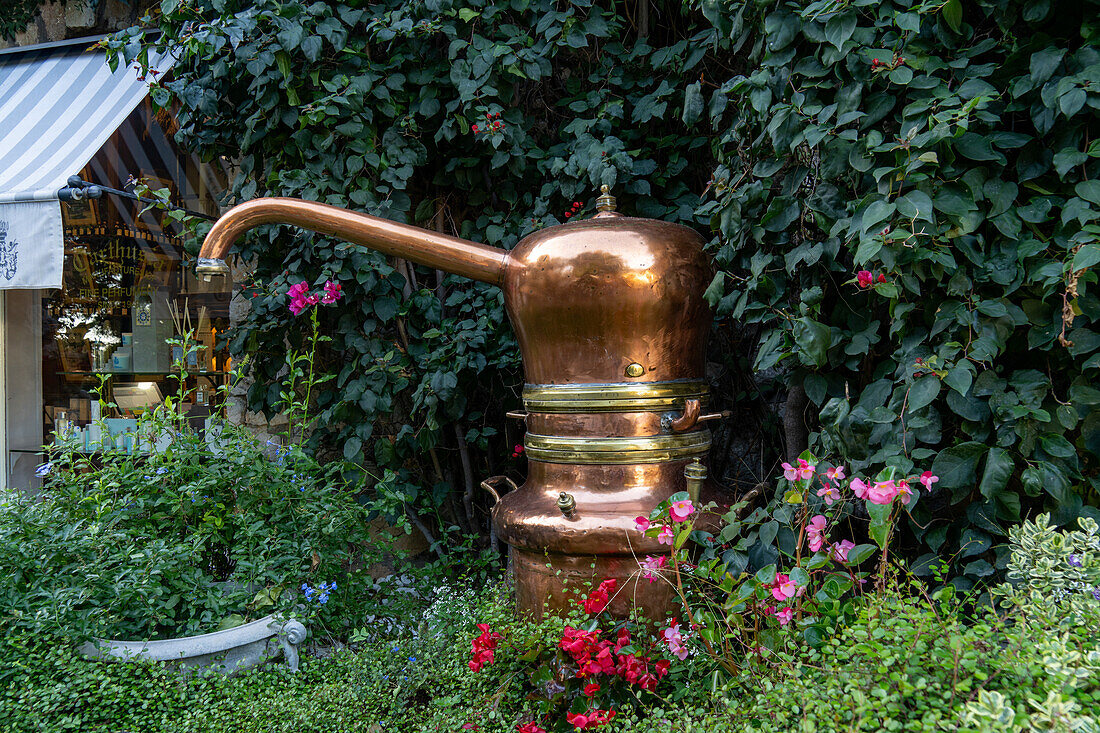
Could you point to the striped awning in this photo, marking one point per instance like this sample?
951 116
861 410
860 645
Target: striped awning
58 104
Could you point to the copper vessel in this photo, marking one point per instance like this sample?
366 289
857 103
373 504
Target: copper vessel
611 323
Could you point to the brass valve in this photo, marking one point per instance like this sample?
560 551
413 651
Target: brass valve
567 504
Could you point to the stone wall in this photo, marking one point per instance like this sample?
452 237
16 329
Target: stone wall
60 21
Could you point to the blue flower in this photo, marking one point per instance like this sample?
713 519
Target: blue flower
44 469
1074 561
305 587
332 585
323 598
1096 592
412 659
162 470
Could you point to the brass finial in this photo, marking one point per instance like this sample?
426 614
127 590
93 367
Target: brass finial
605 203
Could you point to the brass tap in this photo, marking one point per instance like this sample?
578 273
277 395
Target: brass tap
695 473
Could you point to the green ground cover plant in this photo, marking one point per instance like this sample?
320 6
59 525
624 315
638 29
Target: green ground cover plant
907 661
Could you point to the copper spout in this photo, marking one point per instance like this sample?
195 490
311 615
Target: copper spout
468 259
692 409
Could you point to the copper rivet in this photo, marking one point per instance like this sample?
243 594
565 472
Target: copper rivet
635 370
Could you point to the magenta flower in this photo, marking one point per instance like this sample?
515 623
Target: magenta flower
859 486
815 531
784 588
829 493
882 492
653 563
785 615
790 472
835 474
904 491
805 469
300 299
641 523
840 550
665 535
681 510
675 641
333 293
928 479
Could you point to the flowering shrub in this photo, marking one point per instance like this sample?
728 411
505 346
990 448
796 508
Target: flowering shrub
803 583
584 679
942 155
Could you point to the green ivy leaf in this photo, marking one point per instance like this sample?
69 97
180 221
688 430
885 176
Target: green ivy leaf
1089 191
812 339
952 14
923 391
956 466
998 470
693 103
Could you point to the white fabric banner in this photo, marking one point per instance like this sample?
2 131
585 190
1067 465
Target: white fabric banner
30 253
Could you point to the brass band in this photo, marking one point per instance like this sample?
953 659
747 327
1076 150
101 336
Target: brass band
642 449
622 397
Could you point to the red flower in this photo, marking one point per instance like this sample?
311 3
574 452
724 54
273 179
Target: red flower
865 278
591 719
474 128
568 214
881 278
591 689
598 599
483 646
531 727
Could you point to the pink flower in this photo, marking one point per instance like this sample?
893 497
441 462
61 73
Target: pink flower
865 278
785 616
641 523
332 293
681 510
928 479
675 641
904 491
882 492
835 474
860 487
665 535
815 531
829 494
653 563
839 551
805 469
299 301
784 588
790 472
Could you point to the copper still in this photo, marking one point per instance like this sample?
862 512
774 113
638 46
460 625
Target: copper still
611 323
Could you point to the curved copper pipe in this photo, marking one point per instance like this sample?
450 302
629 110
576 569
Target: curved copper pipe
458 256
692 408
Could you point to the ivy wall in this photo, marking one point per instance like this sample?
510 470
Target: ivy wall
948 150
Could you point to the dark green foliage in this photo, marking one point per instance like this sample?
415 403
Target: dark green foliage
373 108
15 15
950 148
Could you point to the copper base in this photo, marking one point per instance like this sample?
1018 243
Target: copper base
554 582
